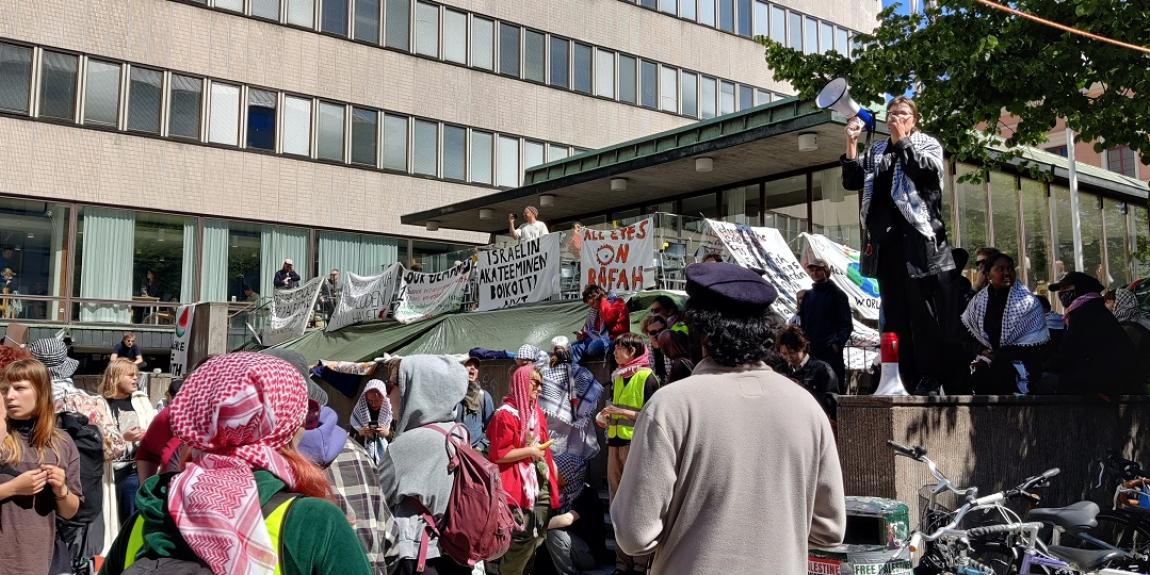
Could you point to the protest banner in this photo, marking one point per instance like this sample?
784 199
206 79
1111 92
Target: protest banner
619 259
523 273
427 295
290 311
182 339
844 263
366 299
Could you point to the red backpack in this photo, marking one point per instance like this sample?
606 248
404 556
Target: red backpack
478 523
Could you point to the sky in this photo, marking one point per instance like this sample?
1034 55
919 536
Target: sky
905 5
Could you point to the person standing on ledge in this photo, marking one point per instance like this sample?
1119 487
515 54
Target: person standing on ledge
286 277
532 229
901 182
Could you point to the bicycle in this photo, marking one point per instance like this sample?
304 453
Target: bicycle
1127 523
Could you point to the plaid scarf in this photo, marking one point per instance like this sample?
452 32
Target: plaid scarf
1126 309
1023 320
902 190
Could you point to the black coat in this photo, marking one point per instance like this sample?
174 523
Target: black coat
818 378
826 316
1096 355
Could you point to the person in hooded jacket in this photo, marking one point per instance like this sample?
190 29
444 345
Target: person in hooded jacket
1095 356
413 474
1136 323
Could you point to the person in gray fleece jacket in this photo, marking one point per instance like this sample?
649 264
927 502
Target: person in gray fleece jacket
414 468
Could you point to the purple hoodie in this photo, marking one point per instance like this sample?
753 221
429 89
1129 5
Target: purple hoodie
322 444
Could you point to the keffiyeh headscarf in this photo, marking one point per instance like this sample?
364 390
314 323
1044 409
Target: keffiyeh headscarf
235 411
528 352
1127 310
902 191
519 402
1023 320
361 418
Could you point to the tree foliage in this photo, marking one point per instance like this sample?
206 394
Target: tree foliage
966 64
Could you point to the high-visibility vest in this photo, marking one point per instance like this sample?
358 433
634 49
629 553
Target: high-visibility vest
628 395
275 511
680 328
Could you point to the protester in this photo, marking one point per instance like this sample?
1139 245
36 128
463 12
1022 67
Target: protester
713 258
519 436
241 414
371 420
133 413
653 325
414 474
901 182
795 318
173 389
665 307
531 355
576 535
532 229
957 348
1136 323
476 409
825 315
814 374
127 349
286 277
1095 356
569 400
39 471
1110 299
1054 322
675 347
980 257
1010 327
608 318
250 294
693 491
329 292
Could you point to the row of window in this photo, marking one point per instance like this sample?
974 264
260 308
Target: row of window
109 94
751 18
507 49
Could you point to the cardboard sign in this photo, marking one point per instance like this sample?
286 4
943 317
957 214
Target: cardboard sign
620 259
844 264
523 273
366 299
430 294
290 311
182 339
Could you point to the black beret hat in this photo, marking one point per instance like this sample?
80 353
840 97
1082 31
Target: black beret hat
727 286
1082 282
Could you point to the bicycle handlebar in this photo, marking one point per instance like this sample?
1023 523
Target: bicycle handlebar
917 452
1007 528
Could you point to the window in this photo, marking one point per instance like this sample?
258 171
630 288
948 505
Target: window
972 211
760 19
727 15
454 152
1121 160
261 119
367 20
427 29
395 142
726 98
647 3
364 136
627 79
508 174
334 17
649 84
224 115
144 97
762 97
184 107
232 5
482 43
1059 150
778 24
1036 226
532 154
794 31
425 148
1090 212
604 73
744 17
297 126
508 50
329 131
398 26
841 41
810 35
58 86
1004 213
301 13
455 36
560 66
534 56
687 9
707 12
557 152
668 89
1118 261
481 156
102 94
690 87
269 9
582 68
667 6
835 209
708 98
15 78
746 97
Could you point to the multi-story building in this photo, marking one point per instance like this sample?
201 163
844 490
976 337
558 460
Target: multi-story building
202 142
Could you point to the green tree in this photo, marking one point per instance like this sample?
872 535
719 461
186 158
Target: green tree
967 64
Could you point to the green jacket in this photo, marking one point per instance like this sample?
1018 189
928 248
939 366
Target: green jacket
317 538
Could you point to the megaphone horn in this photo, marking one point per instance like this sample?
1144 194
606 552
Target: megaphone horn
836 95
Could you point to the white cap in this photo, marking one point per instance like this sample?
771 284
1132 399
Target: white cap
289 262
560 341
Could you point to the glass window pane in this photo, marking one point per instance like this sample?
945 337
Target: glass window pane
810 35
269 9
232 5
335 17
1091 216
668 89
454 152
1140 223
627 79
58 86
762 97
102 94
508 174
329 131
184 113
746 97
297 126
301 13
687 9
534 56
826 37
647 3
744 17
1063 231
972 212
760 24
1004 213
726 98
794 30
144 97
560 66
481 156
367 21
1117 238
364 136
690 88
224 119
727 15
649 84
397 24
708 98
841 41
532 154
508 50
1036 224
395 142
786 206
261 119
455 36
427 29
482 43
15 78
604 73
426 148
835 209
557 152
707 12
667 6
778 24
582 68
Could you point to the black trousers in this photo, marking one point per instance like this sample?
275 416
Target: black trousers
910 308
833 355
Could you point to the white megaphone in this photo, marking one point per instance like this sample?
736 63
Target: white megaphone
836 95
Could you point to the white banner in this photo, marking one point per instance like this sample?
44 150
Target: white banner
844 262
523 273
290 311
182 339
620 259
428 295
366 299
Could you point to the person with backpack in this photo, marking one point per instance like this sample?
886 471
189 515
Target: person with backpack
476 409
247 502
520 446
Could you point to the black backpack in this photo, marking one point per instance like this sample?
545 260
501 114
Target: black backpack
90 444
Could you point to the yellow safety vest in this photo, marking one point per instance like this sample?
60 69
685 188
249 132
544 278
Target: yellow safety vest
627 395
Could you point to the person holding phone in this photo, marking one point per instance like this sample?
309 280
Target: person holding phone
371 419
132 412
529 230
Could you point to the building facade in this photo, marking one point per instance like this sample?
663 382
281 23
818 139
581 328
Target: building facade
166 151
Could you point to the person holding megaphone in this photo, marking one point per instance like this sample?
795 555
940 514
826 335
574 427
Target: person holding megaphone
906 247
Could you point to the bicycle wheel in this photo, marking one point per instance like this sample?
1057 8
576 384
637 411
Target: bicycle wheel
1124 531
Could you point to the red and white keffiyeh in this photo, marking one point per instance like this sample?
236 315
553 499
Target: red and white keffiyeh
235 411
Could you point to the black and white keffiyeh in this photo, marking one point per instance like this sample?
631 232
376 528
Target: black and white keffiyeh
903 191
1126 308
1023 320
